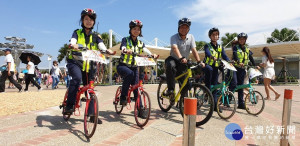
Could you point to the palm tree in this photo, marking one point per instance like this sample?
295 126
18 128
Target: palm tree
284 35
105 38
62 52
229 37
200 45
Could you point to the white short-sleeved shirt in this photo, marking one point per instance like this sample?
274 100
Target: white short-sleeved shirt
184 46
9 58
31 68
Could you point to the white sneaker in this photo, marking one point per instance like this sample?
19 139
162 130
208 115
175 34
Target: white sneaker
40 89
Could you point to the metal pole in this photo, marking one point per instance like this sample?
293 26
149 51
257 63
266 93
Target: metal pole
155 40
110 58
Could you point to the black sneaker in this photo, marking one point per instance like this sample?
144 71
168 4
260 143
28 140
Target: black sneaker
123 101
21 90
68 110
216 110
142 114
92 118
169 92
241 106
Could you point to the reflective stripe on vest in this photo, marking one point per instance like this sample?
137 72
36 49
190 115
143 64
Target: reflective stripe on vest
91 46
128 58
215 54
243 57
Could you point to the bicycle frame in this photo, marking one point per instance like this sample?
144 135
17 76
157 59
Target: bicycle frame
189 75
223 86
138 86
90 89
249 85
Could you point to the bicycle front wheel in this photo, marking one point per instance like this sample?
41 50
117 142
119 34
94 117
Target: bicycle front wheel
91 116
142 109
254 103
205 103
117 99
164 101
226 105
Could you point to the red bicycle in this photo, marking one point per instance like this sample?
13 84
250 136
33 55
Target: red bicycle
142 107
91 107
90 121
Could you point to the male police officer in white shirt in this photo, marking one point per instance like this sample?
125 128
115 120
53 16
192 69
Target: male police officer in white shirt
9 72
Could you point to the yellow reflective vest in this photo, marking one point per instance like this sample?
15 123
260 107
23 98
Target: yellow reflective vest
128 59
217 54
242 56
91 46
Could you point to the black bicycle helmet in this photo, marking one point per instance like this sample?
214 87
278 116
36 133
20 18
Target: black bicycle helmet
186 21
242 35
89 12
134 23
213 30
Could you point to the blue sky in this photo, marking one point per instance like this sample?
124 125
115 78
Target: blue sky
48 24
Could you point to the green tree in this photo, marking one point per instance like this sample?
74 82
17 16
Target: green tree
228 38
105 37
62 52
284 35
200 45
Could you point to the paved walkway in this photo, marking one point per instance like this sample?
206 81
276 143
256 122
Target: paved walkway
46 126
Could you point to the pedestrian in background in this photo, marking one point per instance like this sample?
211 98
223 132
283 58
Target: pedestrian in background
269 72
9 72
30 75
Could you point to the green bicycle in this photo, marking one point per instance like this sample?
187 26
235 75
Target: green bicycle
188 88
254 101
226 104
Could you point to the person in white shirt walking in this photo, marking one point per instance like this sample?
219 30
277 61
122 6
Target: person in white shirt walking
9 72
269 72
55 72
30 75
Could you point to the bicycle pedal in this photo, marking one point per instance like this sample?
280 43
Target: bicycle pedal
115 102
132 99
83 99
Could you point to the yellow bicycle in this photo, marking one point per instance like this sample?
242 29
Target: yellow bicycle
190 89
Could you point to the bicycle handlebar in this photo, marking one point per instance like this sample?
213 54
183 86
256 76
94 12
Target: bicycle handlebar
81 47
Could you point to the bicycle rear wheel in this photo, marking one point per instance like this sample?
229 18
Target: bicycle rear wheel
205 103
91 118
116 101
142 109
226 108
64 104
164 102
254 103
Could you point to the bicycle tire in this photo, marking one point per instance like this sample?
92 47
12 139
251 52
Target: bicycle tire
146 107
204 98
64 104
250 104
116 102
226 108
87 118
164 103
